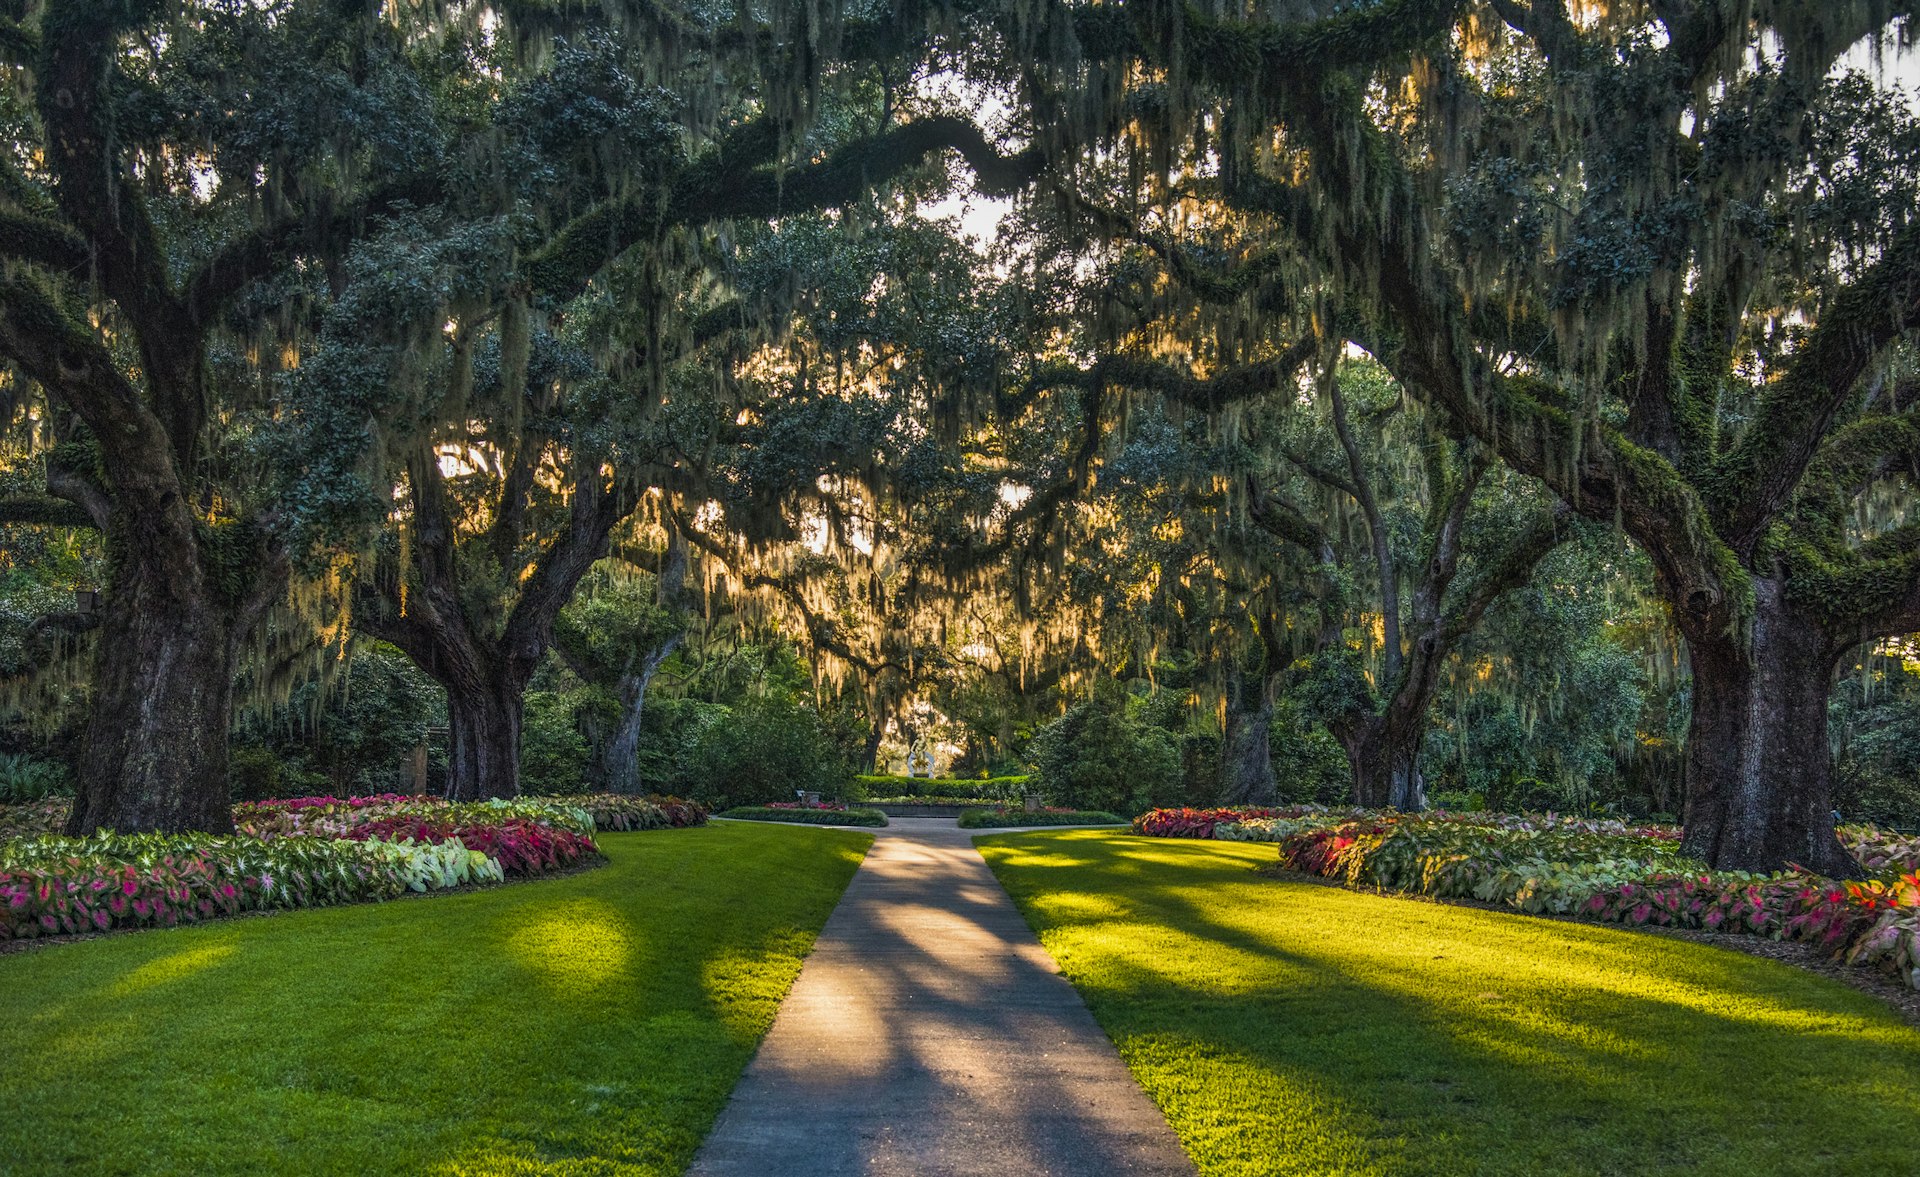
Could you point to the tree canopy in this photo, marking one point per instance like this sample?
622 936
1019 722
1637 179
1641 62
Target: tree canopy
1323 358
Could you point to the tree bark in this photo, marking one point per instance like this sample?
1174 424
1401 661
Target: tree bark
155 754
1383 751
1246 748
1758 771
483 737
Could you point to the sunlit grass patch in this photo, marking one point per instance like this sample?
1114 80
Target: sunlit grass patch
1292 1028
591 1024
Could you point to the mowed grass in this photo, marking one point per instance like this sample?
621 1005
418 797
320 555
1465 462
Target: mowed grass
1293 1028
586 1025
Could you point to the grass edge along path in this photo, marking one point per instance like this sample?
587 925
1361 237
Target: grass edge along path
592 1024
1293 1028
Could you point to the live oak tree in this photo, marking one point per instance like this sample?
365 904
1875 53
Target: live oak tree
180 197
172 169
615 634
1658 255
1439 537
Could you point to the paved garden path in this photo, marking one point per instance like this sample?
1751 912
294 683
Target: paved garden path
930 1034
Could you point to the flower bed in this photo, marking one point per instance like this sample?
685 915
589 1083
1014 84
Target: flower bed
338 817
1596 868
1202 823
1001 817
54 885
302 852
623 812
810 815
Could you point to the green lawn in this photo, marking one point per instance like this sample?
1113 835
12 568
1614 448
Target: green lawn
586 1025
1288 1027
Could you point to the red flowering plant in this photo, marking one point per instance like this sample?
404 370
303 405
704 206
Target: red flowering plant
1200 823
520 845
620 811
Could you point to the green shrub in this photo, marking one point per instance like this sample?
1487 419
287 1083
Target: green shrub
1309 766
809 817
554 757
1096 757
353 735
25 778
1001 817
766 749
253 774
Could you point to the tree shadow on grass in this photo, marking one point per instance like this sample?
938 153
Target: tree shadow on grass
1426 1038
582 1019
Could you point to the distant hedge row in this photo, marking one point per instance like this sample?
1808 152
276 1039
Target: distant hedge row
992 819
1000 788
810 817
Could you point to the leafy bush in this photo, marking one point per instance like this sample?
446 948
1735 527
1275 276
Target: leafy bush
554 756
815 817
1097 757
1002 816
48 816
969 802
767 747
253 773
25 778
354 735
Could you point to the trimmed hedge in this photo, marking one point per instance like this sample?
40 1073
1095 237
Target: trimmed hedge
984 802
1001 817
1000 788
809 817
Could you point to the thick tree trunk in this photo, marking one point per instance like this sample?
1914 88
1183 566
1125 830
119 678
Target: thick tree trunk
483 738
155 757
1246 749
1759 792
1383 752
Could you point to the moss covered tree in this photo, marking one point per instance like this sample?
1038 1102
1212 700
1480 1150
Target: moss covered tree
170 169
1659 255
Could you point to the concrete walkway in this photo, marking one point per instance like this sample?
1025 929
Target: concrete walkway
931 1035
